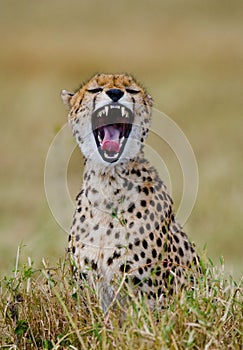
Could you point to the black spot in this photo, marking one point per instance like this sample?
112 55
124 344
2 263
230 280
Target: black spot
156 225
177 260
194 260
77 238
117 235
151 216
154 253
141 229
130 246
159 208
145 244
165 263
139 215
135 257
137 242
145 190
83 276
116 255
131 207
136 281
151 189
152 203
93 265
109 261
143 203
148 226
131 224
186 245
159 242
151 236
125 268
149 282
96 227
175 228
108 232
180 251
86 261
140 270
111 225
155 283
138 173
158 271
176 239
148 261
69 238
164 229
142 255
73 249
82 218
130 186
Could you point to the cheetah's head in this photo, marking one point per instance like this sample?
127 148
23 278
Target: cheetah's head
110 117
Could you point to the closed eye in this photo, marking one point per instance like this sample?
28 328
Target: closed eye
95 90
132 91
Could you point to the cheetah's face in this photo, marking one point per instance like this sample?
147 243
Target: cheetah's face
110 114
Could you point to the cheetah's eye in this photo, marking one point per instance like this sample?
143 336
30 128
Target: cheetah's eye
95 90
132 91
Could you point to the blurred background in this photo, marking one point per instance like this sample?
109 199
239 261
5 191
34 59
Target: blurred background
189 56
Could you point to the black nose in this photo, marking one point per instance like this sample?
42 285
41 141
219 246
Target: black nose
115 94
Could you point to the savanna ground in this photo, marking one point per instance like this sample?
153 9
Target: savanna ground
189 55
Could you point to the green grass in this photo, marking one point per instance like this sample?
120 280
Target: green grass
188 54
44 309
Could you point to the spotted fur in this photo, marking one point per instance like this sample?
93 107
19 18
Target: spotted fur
124 221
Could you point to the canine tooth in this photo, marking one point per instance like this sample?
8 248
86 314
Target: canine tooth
123 112
127 115
106 110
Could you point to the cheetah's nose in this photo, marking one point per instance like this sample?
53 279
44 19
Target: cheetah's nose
115 94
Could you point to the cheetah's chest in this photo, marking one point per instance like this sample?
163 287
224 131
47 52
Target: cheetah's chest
120 219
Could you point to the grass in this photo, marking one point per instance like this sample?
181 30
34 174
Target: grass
188 55
44 309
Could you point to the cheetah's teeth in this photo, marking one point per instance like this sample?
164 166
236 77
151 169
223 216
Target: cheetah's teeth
106 110
123 112
112 157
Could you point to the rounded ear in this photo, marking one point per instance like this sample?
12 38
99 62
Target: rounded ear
66 97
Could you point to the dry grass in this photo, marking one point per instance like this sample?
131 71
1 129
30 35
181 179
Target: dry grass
44 309
189 55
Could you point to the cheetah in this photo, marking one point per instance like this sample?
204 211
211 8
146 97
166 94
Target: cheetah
124 223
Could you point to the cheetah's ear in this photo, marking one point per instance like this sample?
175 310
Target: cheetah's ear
66 97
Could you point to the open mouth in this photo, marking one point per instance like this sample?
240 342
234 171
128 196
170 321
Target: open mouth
111 127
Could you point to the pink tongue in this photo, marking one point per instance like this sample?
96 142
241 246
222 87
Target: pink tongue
111 140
